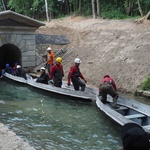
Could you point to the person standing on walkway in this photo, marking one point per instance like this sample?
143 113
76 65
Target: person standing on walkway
108 86
75 76
57 72
50 59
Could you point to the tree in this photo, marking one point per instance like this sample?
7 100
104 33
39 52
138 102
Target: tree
139 7
46 8
3 5
93 9
98 8
80 6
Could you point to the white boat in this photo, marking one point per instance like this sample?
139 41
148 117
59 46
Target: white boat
87 96
128 111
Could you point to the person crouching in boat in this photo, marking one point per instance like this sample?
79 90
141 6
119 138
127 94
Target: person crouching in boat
44 77
75 75
108 86
20 72
57 72
7 69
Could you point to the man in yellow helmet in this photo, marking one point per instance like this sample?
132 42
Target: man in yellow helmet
57 73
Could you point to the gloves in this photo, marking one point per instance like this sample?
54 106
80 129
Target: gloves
51 81
85 81
68 84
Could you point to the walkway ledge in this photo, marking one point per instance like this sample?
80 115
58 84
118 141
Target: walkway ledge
143 93
10 141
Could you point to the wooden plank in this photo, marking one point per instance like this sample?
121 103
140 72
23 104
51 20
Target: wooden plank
135 116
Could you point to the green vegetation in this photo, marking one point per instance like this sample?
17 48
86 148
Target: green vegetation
146 84
116 9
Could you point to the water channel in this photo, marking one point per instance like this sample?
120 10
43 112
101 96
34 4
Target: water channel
47 122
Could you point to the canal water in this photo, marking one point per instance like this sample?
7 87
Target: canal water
47 122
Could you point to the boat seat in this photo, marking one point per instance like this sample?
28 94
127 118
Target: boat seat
122 108
147 127
135 116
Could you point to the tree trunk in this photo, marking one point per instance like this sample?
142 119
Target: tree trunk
140 9
147 16
79 6
141 20
98 8
70 7
46 7
3 5
93 9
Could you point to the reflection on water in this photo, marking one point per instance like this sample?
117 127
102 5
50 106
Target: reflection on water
46 122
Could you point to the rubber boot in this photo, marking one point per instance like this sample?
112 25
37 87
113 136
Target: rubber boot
115 103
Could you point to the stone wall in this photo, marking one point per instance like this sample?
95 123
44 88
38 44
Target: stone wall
24 40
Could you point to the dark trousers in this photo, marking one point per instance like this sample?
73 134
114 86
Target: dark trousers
57 82
105 89
49 68
77 83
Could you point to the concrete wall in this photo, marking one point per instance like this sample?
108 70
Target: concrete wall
24 39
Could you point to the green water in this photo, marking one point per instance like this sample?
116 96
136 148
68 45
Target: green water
47 122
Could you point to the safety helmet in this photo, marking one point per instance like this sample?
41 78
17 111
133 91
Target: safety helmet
49 49
18 66
59 59
42 68
77 60
7 65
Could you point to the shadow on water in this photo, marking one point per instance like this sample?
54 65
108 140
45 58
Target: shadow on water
54 122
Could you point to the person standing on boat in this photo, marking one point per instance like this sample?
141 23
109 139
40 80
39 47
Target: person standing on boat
75 75
108 86
20 72
44 77
57 72
50 59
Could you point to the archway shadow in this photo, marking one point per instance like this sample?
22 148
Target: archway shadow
10 54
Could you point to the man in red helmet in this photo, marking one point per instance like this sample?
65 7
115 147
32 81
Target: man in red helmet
108 86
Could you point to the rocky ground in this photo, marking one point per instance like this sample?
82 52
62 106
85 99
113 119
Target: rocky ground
120 48
9 140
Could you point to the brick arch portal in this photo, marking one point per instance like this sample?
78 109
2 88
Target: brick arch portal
17 39
9 53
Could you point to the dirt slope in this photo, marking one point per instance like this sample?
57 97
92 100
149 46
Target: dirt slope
120 48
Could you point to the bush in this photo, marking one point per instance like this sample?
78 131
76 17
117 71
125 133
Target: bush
146 84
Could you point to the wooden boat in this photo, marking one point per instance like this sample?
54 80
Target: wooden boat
87 96
128 111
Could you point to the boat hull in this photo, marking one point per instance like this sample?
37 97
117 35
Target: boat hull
88 96
128 111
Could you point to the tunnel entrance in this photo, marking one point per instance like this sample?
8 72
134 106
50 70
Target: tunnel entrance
11 54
